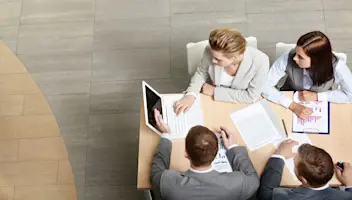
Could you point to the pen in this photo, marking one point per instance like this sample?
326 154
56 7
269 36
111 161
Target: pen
283 122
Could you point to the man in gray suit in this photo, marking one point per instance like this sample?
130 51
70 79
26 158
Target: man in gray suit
313 167
201 181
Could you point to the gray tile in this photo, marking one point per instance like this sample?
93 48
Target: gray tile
116 89
115 105
131 64
186 6
179 63
80 192
284 27
48 11
275 6
74 128
69 104
110 9
344 46
59 68
77 157
113 192
10 12
64 87
53 38
8 34
339 24
124 126
112 166
131 33
337 4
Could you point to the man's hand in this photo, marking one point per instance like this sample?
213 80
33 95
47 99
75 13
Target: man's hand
307 96
345 175
228 137
184 104
300 110
160 125
208 89
285 149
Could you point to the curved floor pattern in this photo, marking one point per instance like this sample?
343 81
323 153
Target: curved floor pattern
33 158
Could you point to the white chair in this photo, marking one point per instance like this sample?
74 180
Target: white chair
195 52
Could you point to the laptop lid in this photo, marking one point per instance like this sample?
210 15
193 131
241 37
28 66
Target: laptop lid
152 100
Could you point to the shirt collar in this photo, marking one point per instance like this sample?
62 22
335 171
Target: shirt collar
201 172
321 188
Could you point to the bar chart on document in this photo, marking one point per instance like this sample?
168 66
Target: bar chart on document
221 162
317 122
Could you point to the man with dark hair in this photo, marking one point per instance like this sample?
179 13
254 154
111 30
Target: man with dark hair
201 182
313 167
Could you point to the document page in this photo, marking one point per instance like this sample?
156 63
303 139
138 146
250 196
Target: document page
318 122
257 125
221 163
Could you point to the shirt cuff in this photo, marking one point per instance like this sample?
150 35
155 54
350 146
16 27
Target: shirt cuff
232 146
348 187
191 93
286 102
322 96
278 156
166 136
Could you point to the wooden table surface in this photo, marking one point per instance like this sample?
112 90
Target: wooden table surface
217 114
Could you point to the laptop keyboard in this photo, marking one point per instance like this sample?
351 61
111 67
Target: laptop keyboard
178 124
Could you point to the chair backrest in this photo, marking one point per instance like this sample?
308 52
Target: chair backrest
195 52
282 48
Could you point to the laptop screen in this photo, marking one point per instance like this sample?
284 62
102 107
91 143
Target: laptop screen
153 101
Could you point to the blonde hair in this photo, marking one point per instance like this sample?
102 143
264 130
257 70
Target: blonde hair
227 41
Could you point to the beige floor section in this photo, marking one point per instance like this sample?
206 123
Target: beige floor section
33 158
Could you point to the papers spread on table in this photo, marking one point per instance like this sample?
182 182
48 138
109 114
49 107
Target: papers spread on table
257 125
318 122
221 163
301 139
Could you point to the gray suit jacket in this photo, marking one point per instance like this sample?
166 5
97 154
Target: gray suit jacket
248 83
270 187
172 185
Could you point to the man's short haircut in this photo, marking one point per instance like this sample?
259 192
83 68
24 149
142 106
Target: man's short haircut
315 165
201 146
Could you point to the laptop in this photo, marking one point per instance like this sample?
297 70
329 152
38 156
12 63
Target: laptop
179 125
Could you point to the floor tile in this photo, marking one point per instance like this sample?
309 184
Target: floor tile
115 89
75 104
31 127
9 63
8 151
131 33
52 192
115 105
110 9
339 24
64 87
113 192
185 6
77 157
18 84
74 128
65 175
286 27
337 4
344 46
105 165
8 34
59 68
7 193
53 38
49 11
36 104
132 64
11 105
274 6
32 149
10 12
28 173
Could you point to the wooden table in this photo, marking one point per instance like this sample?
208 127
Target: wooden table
338 143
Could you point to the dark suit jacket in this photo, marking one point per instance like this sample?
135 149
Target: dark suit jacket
269 188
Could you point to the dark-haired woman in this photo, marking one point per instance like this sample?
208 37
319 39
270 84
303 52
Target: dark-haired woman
312 69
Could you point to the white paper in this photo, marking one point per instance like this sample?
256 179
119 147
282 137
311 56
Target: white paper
256 125
221 163
301 139
318 122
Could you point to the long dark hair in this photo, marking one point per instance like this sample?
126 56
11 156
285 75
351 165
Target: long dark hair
317 46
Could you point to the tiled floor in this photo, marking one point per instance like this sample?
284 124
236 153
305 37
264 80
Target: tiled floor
89 56
34 162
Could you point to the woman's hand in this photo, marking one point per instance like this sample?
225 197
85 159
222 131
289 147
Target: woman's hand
208 89
184 104
300 110
307 96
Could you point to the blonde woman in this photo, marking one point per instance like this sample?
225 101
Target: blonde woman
229 71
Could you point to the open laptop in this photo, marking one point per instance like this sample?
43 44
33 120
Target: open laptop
179 125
